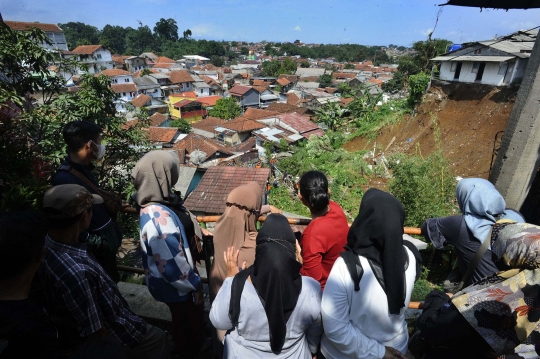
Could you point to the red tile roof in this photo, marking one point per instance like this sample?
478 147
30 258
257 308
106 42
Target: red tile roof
344 75
255 113
124 87
163 59
346 101
115 72
180 76
211 194
208 124
283 81
258 82
239 90
260 89
194 142
242 124
183 103
292 99
286 108
162 65
138 73
209 100
86 49
21 25
157 119
140 100
301 124
161 134
330 90
187 94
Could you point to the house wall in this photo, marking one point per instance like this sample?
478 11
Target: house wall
122 79
232 140
58 40
521 65
136 64
251 98
202 92
491 74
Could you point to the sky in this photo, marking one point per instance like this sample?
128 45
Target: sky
375 22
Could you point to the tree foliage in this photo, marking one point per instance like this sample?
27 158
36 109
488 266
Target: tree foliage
166 29
417 88
332 115
325 81
30 145
226 108
182 125
78 33
275 68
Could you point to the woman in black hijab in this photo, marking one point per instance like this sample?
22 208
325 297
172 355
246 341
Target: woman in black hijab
291 326
371 284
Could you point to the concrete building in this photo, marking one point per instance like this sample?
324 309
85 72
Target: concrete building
53 32
496 62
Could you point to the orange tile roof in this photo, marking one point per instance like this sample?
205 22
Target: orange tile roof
261 89
22 25
344 75
256 113
163 65
140 100
283 81
163 59
292 99
259 83
239 90
138 73
285 108
209 100
115 72
208 124
124 88
180 76
157 119
242 124
161 134
346 101
187 94
330 89
86 49
194 142
183 103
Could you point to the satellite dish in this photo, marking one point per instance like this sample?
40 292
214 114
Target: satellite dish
197 157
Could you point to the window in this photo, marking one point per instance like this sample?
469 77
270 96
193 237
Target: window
479 51
503 66
453 66
123 94
126 80
115 81
98 56
475 67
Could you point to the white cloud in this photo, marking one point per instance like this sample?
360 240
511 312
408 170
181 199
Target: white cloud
297 28
426 32
201 30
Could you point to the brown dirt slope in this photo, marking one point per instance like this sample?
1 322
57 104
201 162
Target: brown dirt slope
468 116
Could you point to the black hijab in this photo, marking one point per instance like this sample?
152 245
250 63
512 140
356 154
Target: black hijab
377 235
275 274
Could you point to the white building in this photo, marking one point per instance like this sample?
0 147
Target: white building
96 57
55 34
495 62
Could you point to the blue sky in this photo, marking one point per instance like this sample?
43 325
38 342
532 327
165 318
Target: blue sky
376 22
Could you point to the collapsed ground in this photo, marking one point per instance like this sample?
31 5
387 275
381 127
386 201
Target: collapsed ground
468 116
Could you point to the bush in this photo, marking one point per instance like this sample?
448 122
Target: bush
182 125
425 186
417 88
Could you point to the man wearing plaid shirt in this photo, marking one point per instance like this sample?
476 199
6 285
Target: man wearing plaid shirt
76 284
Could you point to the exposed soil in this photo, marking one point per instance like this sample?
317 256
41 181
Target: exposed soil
469 116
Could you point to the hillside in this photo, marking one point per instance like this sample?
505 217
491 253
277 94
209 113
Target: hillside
469 116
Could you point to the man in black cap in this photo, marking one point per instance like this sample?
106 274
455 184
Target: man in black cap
75 282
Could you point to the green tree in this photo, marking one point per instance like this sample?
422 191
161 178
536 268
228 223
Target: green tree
325 80
30 148
345 90
78 33
145 72
304 64
244 51
332 115
216 60
226 108
426 50
349 66
362 108
114 38
182 125
187 34
166 29
140 40
417 88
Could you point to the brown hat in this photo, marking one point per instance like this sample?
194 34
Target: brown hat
68 200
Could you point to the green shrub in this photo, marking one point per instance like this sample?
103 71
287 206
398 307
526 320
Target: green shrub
417 88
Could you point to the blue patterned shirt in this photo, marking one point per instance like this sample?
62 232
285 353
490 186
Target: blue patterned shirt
75 282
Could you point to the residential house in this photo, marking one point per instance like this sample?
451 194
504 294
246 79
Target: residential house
54 33
194 60
206 127
125 92
214 87
210 196
189 110
207 149
163 64
162 137
135 63
96 57
182 79
148 85
294 123
158 120
119 61
201 88
266 96
237 130
165 83
305 72
495 62
118 76
253 113
286 108
151 104
246 96
343 76
275 134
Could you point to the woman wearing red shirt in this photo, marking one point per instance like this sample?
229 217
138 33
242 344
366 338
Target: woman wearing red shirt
326 235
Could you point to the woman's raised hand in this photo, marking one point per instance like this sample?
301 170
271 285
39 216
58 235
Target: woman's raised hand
231 261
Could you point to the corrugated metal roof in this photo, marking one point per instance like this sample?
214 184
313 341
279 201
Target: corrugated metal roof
269 97
185 175
473 58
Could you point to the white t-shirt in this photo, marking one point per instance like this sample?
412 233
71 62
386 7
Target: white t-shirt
358 324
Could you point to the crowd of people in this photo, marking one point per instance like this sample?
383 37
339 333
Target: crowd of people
333 290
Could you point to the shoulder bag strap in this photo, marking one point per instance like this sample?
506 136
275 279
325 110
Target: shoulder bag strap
83 178
474 263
